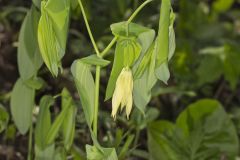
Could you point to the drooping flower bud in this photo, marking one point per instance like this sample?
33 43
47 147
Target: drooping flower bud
123 92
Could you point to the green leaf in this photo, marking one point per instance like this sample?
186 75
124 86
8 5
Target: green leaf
134 30
22 102
52 32
95 60
146 40
55 127
202 131
4 118
59 13
162 41
162 72
131 51
172 41
95 141
116 69
37 3
165 50
68 126
60 154
94 154
118 137
86 87
225 62
209 70
77 153
43 123
144 63
143 70
125 148
46 154
211 124
172 90
222 5
158 146
231 66
141 92
143 86
29 58
35 83
10 133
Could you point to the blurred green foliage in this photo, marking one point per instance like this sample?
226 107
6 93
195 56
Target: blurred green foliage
206 65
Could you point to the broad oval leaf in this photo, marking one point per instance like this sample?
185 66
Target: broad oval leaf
85 85
52 32
22 102
29 58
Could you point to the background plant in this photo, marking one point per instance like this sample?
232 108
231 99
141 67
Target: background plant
205 65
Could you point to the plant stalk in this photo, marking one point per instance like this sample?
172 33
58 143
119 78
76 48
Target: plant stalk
138 10
88 28
96 100
98 70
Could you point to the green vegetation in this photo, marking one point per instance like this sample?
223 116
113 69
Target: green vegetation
120 79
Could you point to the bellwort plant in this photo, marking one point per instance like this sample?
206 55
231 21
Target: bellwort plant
140 59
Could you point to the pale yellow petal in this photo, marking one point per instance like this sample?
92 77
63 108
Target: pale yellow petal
117 95
129 106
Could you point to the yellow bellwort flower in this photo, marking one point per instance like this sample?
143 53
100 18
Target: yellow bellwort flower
123 92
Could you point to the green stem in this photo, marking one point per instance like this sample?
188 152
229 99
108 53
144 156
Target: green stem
138 10
137 137
88 28
104 52
30 142
98 69
97 81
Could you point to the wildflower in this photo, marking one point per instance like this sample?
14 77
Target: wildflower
123 92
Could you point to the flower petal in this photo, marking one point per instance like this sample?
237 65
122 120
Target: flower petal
129 106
